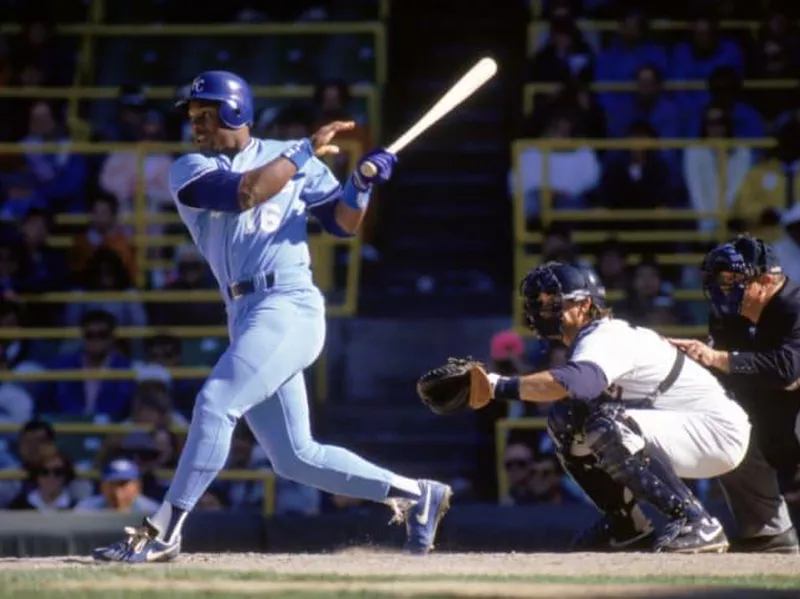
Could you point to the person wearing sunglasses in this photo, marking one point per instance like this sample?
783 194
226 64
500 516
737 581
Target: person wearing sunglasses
49 475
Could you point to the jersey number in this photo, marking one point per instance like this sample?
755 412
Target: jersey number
265 219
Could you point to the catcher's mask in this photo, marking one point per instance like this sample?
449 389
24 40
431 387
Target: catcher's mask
730 267
546 289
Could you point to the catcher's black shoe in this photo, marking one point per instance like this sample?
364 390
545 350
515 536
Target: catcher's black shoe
610 534
705 535
785 542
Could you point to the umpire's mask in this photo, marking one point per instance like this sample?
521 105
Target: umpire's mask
730 267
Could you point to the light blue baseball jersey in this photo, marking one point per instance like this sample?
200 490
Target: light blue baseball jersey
271 237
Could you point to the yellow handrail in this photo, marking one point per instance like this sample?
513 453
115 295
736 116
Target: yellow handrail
321 245
530 90
267 479
523 260
369 93
377 29
535 28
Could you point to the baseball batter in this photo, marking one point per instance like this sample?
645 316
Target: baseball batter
246 203
632 415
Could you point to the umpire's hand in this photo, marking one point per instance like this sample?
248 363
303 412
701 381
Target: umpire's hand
700 352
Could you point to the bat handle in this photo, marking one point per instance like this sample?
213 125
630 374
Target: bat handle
368 169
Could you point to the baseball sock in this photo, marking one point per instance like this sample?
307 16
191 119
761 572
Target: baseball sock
403 487
168 520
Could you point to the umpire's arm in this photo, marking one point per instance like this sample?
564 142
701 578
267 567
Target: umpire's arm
777 367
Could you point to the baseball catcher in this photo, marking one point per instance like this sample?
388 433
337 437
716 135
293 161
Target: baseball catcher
631 415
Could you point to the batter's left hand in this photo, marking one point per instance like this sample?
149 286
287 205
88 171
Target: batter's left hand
699 351
384 161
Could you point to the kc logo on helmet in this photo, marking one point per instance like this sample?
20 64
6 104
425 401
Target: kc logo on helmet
198 85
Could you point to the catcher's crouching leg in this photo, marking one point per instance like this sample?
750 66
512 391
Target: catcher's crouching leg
623 526
621 451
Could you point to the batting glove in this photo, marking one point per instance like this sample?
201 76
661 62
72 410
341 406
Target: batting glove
384 163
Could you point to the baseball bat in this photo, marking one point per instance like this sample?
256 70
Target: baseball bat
480 73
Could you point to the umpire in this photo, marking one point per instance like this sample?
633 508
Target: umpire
754 347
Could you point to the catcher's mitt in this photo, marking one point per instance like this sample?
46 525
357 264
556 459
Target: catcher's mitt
454 386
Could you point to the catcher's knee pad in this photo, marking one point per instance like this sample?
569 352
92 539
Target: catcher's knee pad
642 467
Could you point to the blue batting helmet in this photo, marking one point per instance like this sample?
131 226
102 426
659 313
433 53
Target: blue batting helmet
230 91
731 266
563 282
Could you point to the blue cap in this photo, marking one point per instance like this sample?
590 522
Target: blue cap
118 470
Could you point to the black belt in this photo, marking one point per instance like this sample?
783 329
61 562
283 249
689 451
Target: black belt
242 288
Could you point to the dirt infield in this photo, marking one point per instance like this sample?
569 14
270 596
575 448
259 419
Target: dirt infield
370 573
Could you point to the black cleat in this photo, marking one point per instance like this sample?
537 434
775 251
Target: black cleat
610 534
785 542
700 536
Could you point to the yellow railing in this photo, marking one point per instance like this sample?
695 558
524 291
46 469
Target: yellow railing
89 429
77 94
538 27
267 479
523 260
322 246
502 427
230 29
530 90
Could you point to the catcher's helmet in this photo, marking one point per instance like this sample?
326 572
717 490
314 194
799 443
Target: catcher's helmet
230 91
562 282
731 266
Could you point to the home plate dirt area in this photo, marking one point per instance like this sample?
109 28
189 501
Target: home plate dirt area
367 573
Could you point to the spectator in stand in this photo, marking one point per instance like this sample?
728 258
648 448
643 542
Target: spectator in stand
121 173
774 55
107 398
638 178
103 232
704 52
151 452
777 50
701 168
771 186
649 301
130 107
192 275
61 176
572 97
120 491
47 267
629 51
649 103
612 265
787 247
165 351
572 173
13 268
19 196
725 92
105 272
37 46
566 55
49 477
32 435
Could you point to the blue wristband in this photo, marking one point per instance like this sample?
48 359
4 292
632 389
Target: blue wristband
507 387
299 153
353 197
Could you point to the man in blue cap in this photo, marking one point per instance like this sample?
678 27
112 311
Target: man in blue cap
120 490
